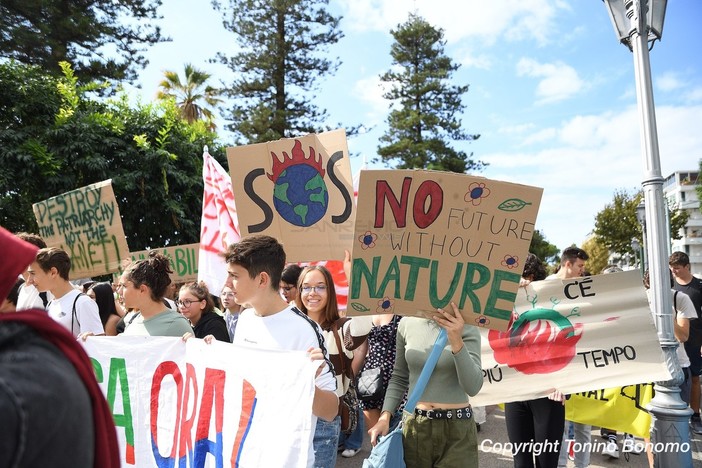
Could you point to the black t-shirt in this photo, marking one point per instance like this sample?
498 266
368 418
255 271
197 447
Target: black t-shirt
694 290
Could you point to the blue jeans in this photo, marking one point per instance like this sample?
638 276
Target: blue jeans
355 440
326 442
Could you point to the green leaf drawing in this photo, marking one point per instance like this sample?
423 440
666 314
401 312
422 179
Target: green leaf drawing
513 204
358 307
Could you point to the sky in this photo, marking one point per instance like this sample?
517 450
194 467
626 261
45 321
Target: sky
552 92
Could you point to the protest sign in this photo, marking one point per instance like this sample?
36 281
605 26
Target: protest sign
424 238
198 405
621 409
298 190
85 223
577 335
183 259
219 224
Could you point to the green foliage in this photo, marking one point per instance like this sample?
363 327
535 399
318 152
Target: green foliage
616 225
104 39
542 248
598 255
278 66
152 156
193 95
427 119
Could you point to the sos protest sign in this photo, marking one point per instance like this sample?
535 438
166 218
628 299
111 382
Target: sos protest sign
298 190
198 405
183 258
86 223
424 238
579 336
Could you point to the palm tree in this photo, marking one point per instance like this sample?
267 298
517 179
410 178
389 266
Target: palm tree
190 93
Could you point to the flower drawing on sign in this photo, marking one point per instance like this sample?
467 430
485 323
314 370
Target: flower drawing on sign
300 194
510 261
385 306
482 321
538 341
476 192
367 240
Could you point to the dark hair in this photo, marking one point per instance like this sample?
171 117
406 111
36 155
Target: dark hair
291 274
154 272
258 254
32 239
534 268
331 311
200 291
105 299
573 253
679 259
53 257
13 295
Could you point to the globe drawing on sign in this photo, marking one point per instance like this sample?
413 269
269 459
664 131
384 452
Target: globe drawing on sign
300 195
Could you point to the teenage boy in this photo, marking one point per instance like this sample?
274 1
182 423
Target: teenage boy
679 264
72 309
254 266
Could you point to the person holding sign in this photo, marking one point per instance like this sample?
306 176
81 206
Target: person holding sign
71 308
196 304
443 413
142 286
254 267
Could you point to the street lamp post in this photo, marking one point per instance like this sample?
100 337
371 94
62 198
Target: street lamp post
636 247
637 21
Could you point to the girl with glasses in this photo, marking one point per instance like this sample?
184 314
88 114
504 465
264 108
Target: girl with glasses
316 297
196 305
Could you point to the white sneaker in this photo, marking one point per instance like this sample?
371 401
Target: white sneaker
611 449
630 445
348 453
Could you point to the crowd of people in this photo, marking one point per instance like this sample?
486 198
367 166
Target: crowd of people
269 304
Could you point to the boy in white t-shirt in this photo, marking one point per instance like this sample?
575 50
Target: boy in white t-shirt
254 267
78 313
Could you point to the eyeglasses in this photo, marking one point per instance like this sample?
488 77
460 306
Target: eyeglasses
288 288
319 289
186 302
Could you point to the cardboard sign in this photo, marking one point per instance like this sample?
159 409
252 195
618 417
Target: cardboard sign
298 190
579 335
424 238
183 258
198 405
85 223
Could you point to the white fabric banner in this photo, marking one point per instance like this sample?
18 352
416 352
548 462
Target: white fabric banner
219 225
575 336
198 405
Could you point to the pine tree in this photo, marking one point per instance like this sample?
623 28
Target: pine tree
102 39
427 119
279 65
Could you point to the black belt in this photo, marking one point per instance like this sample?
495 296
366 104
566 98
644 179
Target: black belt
458 413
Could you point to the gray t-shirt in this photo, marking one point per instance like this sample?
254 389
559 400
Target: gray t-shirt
167 323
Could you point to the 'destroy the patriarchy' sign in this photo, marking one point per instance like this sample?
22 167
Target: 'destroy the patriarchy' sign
85 223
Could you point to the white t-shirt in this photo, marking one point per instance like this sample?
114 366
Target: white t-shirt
685 309
286 330
87 316
28 297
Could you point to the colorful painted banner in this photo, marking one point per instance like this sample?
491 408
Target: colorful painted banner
424 238
578 335
196 405
298 190
85 223
219 224
622 409
183 258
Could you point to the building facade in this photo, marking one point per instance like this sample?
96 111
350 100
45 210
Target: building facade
680 189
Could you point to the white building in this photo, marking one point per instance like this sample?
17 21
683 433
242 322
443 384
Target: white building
680 189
